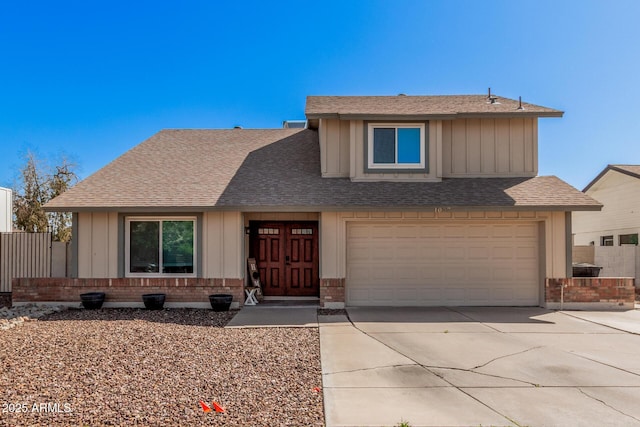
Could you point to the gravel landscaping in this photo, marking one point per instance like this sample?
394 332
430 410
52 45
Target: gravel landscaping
140 367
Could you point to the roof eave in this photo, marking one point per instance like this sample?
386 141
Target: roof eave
323 208
439 116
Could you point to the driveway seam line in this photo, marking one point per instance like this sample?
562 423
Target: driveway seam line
433 373
605 404
598 323
602 363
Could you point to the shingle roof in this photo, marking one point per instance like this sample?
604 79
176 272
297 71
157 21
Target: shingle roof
253 170
416 106
631 170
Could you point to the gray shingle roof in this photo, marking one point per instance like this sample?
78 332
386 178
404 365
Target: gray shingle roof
371 107
254 170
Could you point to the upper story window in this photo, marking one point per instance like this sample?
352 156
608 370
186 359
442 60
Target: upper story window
160 246
396 146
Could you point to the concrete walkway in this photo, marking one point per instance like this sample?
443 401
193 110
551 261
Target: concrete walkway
262 316
480 366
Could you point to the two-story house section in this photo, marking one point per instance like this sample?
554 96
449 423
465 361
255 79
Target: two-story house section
617 187
379 201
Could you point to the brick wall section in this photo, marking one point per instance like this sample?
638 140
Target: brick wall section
591 289
5 299
331 290
126 290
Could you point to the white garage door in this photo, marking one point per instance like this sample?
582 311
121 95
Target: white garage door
426 264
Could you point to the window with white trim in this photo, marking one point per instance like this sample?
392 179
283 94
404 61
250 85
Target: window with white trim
396 146
160 246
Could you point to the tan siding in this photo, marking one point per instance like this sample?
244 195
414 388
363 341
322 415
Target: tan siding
620 195
222 245
97 244
529 152
502 146
474 146
447 130
555 247
516 140
329 243
489 147
435 148
85 244
458 147
334 148
345 143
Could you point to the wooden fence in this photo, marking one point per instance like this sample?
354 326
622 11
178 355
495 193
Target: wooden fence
24 255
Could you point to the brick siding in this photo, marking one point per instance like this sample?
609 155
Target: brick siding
181 290
591 290
331 291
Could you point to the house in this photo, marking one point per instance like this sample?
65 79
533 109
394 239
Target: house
379 201
6 208
617 187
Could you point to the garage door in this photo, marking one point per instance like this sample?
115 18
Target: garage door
426 264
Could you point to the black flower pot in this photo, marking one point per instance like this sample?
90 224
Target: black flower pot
153 301
92 300
220 302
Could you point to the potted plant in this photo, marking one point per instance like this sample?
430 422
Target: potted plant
92 300
220 302
153 301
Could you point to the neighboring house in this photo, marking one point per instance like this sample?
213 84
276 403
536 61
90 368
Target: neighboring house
617 187
381 200
6 211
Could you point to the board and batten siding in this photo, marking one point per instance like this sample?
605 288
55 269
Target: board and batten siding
460 148
334 148
97 244
100 244
490 147
620 214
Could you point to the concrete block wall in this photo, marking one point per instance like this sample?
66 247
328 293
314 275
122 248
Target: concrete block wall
616 261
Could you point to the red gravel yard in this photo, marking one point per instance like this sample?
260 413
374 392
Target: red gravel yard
139 367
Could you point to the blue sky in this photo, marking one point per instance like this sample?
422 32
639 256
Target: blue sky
90 80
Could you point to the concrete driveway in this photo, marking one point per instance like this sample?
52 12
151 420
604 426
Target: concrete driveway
481 367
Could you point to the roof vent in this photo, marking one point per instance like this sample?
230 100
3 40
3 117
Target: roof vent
237 127
520 107
294 124
492 99
402 94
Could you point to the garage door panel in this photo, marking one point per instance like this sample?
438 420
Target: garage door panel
435 264
455 231
432 231
455 253
477 254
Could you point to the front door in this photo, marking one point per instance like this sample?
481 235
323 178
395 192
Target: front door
287 257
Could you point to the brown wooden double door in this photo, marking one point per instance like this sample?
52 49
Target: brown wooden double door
287 257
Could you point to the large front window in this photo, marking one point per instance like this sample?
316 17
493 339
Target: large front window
396 146
161 246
